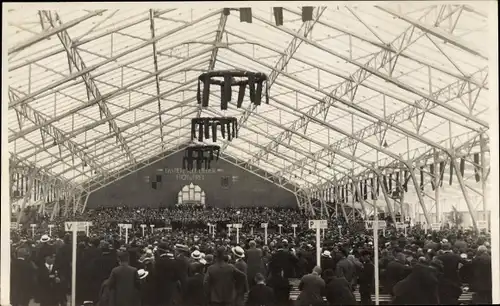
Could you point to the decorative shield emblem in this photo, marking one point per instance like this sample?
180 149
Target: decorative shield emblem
224 182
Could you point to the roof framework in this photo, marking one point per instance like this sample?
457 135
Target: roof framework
357 92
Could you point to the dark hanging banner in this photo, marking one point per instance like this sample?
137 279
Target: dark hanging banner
246 14
422 178
476 167
278 15
307 13
462 166
442 168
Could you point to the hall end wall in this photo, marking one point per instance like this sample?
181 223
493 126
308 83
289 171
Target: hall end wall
244 188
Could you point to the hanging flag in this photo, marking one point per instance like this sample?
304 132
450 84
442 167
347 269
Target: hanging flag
378 186
442 168
422 178
462 166
476 167
307 13
405 181
390 182
246 14
278 15
385 182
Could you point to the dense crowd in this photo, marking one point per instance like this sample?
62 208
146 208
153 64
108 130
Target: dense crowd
180 262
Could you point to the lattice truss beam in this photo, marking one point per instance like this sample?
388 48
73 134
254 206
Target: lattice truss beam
326 124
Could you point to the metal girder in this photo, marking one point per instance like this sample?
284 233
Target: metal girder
92 89
457 88
116 93
213 57
78 41
288 53
104 120
435 32
393 47
53 31
136 136
157 76
78 74
288 186
464 192
59 138
349 105
369 70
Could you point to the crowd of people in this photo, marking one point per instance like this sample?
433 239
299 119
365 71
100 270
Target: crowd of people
180 262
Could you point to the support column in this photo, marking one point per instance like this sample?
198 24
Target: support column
484 173
464 191
436 185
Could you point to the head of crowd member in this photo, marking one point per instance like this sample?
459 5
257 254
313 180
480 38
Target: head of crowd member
260 279
50 258
316 270
123 257
252 244
45 239
365 256
220 254
482 250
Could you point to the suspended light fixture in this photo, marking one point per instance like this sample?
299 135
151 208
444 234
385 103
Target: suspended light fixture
201 156
205 125
228 78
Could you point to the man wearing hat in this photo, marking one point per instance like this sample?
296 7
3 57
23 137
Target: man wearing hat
22 279
255 264
240 264
182 265
167 275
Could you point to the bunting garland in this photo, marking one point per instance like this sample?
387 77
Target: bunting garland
204 125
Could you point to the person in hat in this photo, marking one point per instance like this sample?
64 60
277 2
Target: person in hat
240 264
182 261
166 275
327 261
338 289
311 288
194 294
196 258
22 279
43 249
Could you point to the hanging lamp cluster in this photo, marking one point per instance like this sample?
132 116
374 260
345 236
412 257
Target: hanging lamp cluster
226 79
206 128
201 156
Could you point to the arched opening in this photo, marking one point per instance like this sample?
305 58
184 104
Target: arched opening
191 195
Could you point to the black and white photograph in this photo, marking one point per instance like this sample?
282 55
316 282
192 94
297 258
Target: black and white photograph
250 154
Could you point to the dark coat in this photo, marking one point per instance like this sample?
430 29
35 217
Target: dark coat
99 270
221 282
420 287
168 279
281 288
338 292
255 264
261 295
22 281
284 261
194 294
50 291
311 288
124 286
394 273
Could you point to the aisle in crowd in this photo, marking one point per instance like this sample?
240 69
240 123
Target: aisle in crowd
183 264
